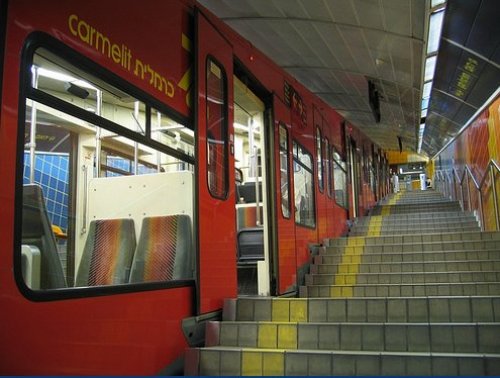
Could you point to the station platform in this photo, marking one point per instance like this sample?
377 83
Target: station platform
413 290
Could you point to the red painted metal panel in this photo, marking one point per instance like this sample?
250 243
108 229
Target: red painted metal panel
217 217
135 333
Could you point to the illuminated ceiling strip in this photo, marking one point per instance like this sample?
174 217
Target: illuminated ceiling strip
435 27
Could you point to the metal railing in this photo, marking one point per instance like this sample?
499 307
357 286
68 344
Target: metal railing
458 187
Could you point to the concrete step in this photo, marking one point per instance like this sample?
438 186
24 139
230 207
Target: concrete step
402 278
448 215
423 215
464 245
399 239
414 208
457 309
419 266
237 361
331 256
400 290
384 337
417 223
402 229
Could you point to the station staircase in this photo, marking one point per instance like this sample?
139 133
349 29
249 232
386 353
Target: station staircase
413 290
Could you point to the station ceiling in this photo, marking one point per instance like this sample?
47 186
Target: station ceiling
334 47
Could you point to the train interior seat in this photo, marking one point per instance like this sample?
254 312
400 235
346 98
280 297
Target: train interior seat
246 192
250 234
107 255
30 262
250 245
164 251
246 215
41 264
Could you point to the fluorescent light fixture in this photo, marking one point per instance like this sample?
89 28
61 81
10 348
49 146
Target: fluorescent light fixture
430 67
435 26
63 77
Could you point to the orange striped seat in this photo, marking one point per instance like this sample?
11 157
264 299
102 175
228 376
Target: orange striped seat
164 251
108 253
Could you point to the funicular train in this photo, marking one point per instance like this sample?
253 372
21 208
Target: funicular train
154 163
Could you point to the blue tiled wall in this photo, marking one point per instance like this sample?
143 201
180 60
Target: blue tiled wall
52 174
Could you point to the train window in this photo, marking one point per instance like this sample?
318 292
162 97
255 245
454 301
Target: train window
217 162
303 184
78 88
339 178
105 201
319 159
116 163
284 174
171 133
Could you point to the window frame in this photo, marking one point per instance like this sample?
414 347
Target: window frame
40 40
224 128
296 160
285 150
327 166
336 163
319 160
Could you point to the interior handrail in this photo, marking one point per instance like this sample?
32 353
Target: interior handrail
468 170
456 175
491 164
489 172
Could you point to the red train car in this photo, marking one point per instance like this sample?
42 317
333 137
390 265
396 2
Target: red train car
154 163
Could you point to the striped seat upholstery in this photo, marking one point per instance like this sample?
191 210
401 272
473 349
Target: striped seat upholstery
108 252
246 216
164 251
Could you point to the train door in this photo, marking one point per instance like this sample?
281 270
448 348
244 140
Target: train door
215 186
251 173
285 220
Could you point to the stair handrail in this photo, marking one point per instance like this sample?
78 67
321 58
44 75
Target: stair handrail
492 165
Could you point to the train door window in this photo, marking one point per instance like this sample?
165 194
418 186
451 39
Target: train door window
217 162
103 203
284 174
340 179
326 164
319 159
303 184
